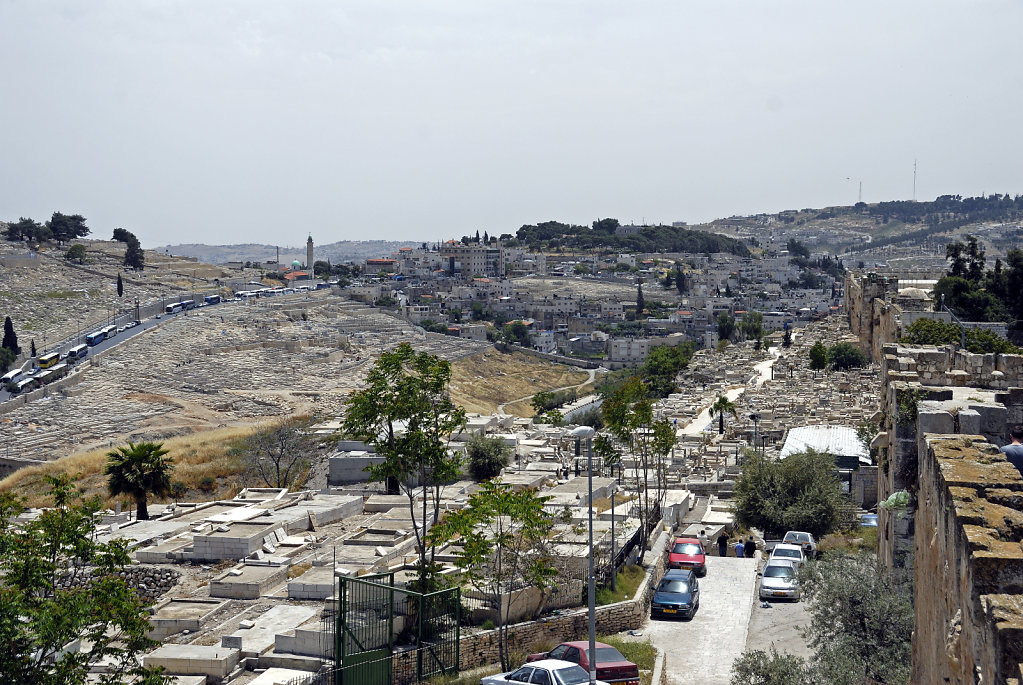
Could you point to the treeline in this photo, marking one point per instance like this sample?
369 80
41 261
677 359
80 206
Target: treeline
60 227
602 235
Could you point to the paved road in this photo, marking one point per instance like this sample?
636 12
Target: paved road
702 650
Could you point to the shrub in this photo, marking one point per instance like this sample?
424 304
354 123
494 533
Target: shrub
487 455
208 484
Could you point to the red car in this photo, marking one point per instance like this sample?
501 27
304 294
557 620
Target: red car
612 667
688 553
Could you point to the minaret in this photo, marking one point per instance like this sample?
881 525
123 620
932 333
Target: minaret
309 256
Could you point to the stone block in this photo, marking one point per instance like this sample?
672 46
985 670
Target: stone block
969 421
213 662
932 419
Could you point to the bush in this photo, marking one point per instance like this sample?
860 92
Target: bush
487 455
208 484
845 355
178 489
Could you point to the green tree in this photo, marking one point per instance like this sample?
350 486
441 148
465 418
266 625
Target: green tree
935 332
722 405
75 253
761 668
26 229
580 269
753 325
10 337
406 413
861 622
797 248
640 301
58 585
486 456
120 286
32 348
786 340
542 401
845 355
629 416
506 543
7 358
67 226
516 331
281 451
139 470
663 365
818 356
799 492
726 325
134 256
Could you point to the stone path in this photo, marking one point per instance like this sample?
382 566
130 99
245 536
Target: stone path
702 650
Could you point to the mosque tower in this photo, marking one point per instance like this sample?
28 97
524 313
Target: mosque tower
309 256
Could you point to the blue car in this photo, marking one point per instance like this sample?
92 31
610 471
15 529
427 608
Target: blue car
677 595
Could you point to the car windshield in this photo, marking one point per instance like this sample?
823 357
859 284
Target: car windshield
686 548
777 572
572 675
673 586
797 537
782 552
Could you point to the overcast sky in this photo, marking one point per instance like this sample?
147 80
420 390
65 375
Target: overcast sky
251 121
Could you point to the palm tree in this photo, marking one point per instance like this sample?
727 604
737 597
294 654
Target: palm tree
139 471
721 407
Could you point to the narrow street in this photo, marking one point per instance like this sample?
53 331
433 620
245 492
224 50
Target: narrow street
702 650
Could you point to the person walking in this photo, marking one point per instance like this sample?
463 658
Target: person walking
702 537
750 548
739 548
722 545
1014 450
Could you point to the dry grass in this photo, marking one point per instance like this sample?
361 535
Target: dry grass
215 454
482 381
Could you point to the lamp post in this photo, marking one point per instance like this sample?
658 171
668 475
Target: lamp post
756 418
586 433
614 559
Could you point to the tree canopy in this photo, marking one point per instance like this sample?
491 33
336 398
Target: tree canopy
139 470
603 234
935 332
800 492
10 340
818 356
67 226
845 355
75 253
487 455
59 584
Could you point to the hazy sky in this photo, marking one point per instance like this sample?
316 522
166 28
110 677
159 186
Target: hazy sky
252 121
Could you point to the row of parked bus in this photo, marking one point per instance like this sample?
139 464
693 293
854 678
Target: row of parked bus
18 381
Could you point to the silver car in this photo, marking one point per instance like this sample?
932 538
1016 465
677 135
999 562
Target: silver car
543 672
779 580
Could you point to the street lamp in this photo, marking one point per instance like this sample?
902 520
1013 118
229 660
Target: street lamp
586 433
755 417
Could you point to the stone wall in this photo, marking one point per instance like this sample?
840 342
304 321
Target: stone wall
968 556
149 582
482 648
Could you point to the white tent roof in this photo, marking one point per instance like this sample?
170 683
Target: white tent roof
840 441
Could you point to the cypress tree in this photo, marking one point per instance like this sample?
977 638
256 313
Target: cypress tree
120 286
10 338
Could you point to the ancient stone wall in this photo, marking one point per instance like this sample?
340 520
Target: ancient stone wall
968 569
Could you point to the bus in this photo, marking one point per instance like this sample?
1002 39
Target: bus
10 377
187 304
49 359
173 308
50 375
30 383
77 352
110 332
96 337
212 299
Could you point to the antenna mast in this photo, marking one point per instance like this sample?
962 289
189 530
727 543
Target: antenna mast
914 180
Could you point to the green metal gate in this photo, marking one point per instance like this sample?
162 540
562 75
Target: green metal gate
374 617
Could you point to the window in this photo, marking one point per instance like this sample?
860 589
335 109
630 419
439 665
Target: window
572 654
541 677
558 652
521 675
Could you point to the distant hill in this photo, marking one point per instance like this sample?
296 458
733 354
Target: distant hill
341 251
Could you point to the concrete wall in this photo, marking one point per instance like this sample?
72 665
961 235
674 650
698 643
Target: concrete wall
969 621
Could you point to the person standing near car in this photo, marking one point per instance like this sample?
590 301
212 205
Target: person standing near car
722 545
703 540
739 548
750 548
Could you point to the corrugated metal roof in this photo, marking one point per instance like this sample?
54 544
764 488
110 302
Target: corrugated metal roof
840 441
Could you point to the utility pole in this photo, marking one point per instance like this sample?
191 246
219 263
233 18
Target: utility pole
914 180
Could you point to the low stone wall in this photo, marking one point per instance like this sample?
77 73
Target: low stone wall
149 582
969 529
482 648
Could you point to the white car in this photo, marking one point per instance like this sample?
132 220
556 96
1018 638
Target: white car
804 540
787 552
779 580
543 672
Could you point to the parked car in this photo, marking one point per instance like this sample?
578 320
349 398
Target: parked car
688 553
612 667
788 552
678 594
546 672
779 580
804 540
